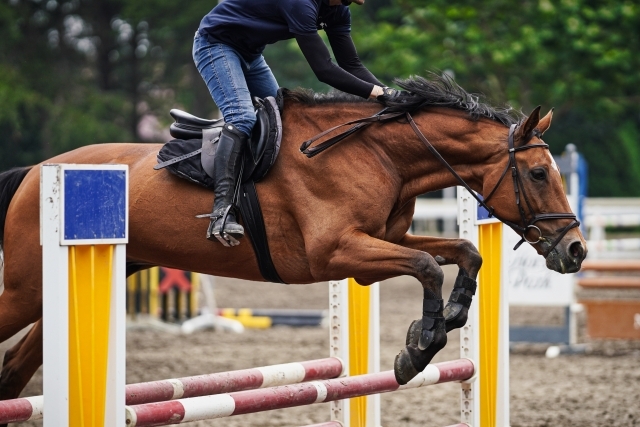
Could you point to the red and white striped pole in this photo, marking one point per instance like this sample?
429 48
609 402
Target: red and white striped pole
233 381
26 409
251 401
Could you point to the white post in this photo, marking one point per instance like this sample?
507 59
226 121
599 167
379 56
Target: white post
340 346
84 212
339 339
485 398
470 333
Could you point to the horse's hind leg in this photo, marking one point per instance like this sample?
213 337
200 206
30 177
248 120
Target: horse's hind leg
20 363
20 306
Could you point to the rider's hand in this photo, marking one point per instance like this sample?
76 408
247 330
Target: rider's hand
390 94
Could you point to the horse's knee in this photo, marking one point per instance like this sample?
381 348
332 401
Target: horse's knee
471 260
429 272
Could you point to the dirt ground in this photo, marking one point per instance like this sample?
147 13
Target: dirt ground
600 388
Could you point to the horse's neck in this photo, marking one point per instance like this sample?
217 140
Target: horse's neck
472 148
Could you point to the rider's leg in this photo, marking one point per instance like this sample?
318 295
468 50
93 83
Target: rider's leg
226 168
260 79
222 69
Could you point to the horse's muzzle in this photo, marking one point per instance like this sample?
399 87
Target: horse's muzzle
567 258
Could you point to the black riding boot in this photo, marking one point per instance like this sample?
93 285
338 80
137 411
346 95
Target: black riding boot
226 169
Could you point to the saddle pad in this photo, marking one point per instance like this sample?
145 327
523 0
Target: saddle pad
190 167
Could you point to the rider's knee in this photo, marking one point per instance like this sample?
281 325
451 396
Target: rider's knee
243 121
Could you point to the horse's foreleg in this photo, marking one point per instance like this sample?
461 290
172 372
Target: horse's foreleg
452 251
20 363
370 259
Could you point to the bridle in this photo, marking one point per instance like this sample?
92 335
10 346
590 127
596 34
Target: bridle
526 224
519 189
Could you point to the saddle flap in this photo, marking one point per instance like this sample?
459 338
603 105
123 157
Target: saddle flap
210 138
260 134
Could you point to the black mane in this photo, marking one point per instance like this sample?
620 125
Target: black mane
437 91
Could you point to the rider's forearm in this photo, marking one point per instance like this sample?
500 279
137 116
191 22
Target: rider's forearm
318 57
347 57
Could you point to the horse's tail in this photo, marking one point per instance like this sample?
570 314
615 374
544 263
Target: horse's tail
9 182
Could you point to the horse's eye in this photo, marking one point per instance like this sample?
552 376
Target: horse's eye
539 174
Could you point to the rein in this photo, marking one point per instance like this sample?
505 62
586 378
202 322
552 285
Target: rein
512 165
359 124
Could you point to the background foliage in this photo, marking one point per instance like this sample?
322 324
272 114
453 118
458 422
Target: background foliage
76 72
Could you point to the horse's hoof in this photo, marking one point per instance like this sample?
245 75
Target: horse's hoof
413 333
455 316
412 360
403 367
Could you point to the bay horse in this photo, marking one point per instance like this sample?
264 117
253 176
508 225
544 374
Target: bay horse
344 213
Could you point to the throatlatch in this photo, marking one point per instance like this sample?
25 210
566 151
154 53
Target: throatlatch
460 299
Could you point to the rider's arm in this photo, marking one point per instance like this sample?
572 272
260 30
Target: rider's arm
319 58
347 57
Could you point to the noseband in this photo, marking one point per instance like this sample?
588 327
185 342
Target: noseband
518 186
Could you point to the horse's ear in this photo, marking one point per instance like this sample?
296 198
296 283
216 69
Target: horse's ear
524 131
545 122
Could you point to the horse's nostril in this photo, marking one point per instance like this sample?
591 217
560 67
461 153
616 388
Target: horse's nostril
576 250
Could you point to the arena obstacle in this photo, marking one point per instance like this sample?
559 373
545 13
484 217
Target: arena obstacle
163 294
262 318
27 409
610 294
252 401
482 394
84 229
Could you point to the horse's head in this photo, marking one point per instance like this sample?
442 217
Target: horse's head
528 195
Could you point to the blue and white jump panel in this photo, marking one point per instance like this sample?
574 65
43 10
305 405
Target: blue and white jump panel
83 231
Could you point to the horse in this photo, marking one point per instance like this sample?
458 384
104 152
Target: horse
345 213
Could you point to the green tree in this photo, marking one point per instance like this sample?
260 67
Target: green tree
74 72
578 56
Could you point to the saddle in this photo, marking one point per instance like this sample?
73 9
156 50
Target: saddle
191 155
196 136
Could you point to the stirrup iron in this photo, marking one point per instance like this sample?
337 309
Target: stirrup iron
224 238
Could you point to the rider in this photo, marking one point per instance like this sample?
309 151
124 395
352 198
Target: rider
227 51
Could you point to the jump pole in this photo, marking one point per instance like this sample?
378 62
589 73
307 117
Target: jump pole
30 408
83 231
252 401
485 337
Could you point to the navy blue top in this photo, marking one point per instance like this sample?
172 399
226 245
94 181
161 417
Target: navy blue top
249 25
